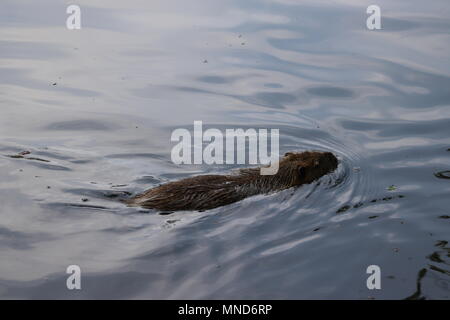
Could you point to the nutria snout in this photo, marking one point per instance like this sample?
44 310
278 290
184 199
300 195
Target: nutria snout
211 191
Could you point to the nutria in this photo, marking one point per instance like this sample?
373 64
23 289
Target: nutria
210 191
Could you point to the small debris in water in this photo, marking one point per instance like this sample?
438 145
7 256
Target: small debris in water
343 209
443 174
396 249
435 257
441 243
48 187
359 204
205 61
356 169
21 155
373 217
85 199
54 84
444 217
392 188
37 159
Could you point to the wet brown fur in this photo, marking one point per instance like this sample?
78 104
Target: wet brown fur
211 191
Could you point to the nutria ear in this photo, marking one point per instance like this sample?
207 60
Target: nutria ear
301 172
288 154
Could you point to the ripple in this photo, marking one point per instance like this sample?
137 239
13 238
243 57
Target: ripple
330 92
81 125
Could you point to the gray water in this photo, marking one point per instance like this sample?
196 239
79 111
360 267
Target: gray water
99 104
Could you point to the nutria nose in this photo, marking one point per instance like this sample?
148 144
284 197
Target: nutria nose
331 157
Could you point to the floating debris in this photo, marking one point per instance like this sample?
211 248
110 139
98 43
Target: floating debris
343 209
443 174
21 155
435 257
441 243
359 204
37 159
391 188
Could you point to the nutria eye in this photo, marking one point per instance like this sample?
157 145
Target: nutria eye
301 171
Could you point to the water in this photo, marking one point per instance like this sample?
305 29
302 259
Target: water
99 105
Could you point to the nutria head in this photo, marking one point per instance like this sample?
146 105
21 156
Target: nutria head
305 167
